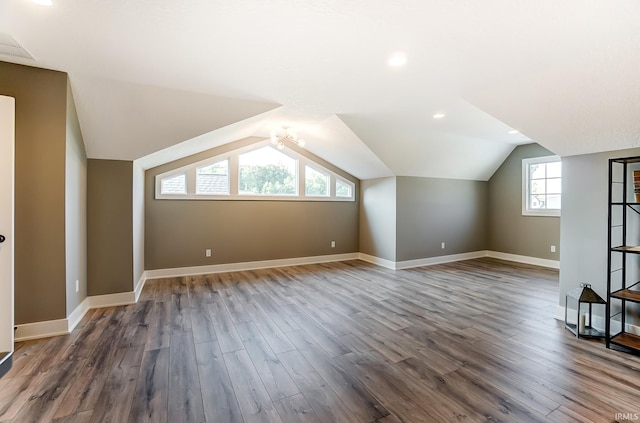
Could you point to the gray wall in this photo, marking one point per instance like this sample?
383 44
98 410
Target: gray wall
40 276
378 218
584 221
109 226
431 211
177 232
75 209
510 231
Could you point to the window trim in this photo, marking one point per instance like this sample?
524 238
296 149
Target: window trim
234 175
526 163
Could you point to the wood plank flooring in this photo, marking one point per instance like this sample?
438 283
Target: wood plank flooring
343 342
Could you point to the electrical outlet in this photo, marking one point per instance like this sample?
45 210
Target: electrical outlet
553 248
207 252
333 244
77 285
442 245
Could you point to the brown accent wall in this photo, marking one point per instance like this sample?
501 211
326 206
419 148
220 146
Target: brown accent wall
39 190
177 232
109 226
510 231
431 211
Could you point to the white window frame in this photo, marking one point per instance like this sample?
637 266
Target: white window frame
526 210
234 176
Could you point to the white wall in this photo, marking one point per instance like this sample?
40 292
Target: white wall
583 227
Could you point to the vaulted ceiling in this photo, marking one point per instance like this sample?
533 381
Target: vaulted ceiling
156 79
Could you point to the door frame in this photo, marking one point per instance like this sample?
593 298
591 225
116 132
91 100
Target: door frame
7 248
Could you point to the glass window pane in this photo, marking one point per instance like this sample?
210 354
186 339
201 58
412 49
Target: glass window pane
213 179
266 171
343 189
553 202
537 171
543 186
316 183
174 185
554 186
537 202
538 186
554 170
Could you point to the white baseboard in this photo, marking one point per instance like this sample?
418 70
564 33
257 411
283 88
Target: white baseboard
377 260
112 300
249 265
553 264
58 327
430 261
140 286
41 329
77 314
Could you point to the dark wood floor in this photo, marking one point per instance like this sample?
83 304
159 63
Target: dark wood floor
343 342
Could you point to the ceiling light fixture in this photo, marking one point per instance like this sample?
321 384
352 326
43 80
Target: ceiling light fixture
514 131
283 135
397 60
438 116
43 2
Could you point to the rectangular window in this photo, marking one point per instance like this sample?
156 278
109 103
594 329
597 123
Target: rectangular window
541 186
174 184
213 179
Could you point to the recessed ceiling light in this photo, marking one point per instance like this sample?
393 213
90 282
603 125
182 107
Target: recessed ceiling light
514 131
398 59
43 2
438 116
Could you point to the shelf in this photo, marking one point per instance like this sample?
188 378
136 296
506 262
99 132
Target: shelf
627 160
627 249
628 340
624 199
627 294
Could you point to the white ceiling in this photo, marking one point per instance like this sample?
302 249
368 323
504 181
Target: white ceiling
150 74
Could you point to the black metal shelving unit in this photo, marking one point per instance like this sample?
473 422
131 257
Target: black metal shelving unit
623 262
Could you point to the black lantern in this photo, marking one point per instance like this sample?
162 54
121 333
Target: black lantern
583 295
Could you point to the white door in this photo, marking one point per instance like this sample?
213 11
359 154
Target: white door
7 137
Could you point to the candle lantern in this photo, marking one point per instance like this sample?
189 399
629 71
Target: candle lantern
583 327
